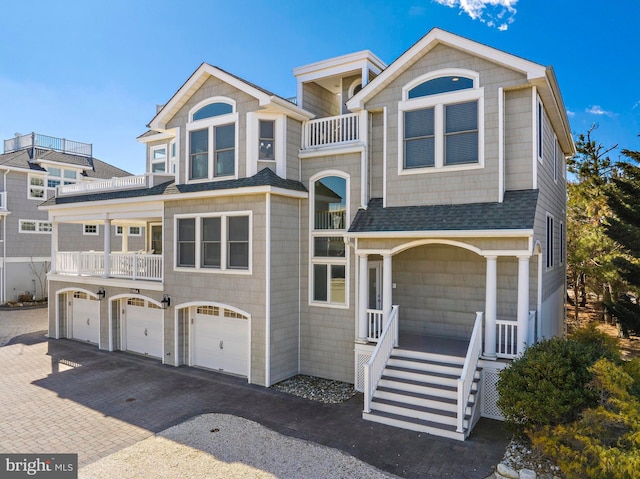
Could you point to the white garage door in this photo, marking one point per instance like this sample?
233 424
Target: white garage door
220 339
85 318
143 327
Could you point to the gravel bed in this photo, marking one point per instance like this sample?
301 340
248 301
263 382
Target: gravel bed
520 455
316 389
220 445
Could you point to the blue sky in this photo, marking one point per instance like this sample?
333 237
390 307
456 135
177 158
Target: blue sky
94 71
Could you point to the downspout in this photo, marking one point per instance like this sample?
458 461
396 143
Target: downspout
267 332
4 244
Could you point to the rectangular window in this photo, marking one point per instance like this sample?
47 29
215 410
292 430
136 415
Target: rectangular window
329 283
90 229
220 241
61 176
419 139
328 246
158 159
461 133
34 226
562 245
224 154
132 231
199 154
36 188
550 246
555 160
238 230
266 142
540 130
187 242
211 242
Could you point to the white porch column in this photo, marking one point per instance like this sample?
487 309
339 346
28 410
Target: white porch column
363 293
107 248
125 239
523 302
54 246
490 308
387 286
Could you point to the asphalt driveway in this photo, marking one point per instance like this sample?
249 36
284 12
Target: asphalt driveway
64 396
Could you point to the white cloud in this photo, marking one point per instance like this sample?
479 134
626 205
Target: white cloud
495 13
597 110
571 114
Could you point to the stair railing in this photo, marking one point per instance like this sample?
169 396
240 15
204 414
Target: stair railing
380 356
469 370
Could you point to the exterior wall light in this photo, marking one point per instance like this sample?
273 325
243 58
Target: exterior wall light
101 294
166 301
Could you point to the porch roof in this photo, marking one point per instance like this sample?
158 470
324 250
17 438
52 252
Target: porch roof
264 177
517 211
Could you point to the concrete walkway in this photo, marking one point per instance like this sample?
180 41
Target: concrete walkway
65 396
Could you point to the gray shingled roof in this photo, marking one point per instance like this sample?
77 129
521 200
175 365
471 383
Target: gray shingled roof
93 167
264 177
517 211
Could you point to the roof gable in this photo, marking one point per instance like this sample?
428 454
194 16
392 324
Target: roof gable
199 77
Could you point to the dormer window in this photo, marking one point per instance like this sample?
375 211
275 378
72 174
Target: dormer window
212 139
158 159
441 122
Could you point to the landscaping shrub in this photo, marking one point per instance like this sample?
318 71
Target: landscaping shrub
547 384
597 343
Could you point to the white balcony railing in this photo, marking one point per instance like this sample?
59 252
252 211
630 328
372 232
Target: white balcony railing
507 339
373 369
374 322
3 200
135 266
147 180
332 131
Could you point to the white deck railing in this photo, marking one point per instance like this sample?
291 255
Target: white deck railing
465 382
3 200
133 266
332 130
380 356
374 322
329 220
507 338
148 180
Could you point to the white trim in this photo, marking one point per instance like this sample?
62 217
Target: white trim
501 168
208 101
129 233
540 128
24 259
384 156
438 103
224 242
267 334
112 282
59 164
37 225
561 244
534 134
165 161
523 233
353 86
445 72
57 306
550 242
555 163
331 150
44 188
157 136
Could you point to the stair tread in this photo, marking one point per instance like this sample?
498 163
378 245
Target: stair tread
409 352
414 382
426 361
413 407
420 371
422 422
417 395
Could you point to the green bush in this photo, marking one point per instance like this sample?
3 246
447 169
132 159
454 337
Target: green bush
597 344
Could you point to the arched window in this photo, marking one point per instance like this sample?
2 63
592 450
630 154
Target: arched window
329 222
441 122
211 110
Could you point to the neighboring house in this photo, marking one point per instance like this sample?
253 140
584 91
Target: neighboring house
420 204
32 167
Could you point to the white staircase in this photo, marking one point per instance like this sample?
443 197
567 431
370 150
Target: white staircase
419 391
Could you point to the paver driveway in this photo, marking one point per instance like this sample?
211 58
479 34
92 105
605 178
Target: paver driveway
65 396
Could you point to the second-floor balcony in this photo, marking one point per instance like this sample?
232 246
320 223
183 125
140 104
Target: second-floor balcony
148 180
334 131
134 266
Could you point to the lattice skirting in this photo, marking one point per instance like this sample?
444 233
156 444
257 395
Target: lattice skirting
362 358
490 395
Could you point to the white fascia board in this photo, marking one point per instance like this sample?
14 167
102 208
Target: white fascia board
59 164
558 103
291 110
198 78
17 169
427 43
524 233
350 61
160 135
336 150
113 282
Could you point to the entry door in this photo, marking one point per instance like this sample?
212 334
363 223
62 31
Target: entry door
375 285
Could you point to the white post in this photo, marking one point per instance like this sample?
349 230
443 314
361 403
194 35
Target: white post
54 246
125 238
387 290
107 247
363 293
490 308
523 302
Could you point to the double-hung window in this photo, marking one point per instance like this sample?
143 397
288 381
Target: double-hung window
441 123
328 271
214 242
550 247
36 188
212 140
